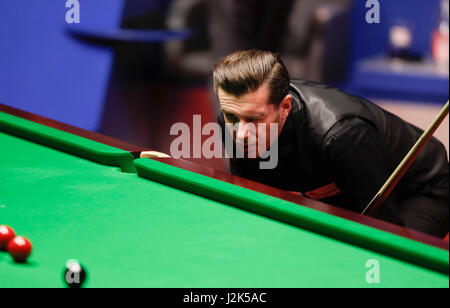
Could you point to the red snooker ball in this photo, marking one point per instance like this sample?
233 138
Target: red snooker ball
19 248
6 234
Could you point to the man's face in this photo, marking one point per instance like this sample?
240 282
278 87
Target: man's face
249 111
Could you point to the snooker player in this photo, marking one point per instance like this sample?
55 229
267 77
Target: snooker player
332 146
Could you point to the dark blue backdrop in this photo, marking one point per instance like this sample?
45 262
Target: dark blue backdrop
44 70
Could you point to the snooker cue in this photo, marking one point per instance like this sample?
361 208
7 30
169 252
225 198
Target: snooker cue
390 184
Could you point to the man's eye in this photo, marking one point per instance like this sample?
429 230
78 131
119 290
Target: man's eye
232 117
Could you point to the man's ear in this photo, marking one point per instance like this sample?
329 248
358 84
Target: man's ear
285 107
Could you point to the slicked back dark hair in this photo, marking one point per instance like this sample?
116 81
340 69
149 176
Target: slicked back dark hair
244 72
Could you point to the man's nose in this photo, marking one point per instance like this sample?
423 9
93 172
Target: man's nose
244 131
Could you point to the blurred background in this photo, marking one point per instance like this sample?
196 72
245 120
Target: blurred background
132 68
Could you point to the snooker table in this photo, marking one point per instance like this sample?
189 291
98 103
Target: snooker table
169 223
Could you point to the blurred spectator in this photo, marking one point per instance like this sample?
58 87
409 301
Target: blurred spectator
310 35
247 24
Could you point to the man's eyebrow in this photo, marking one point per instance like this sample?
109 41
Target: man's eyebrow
258 115
254 116
228 112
